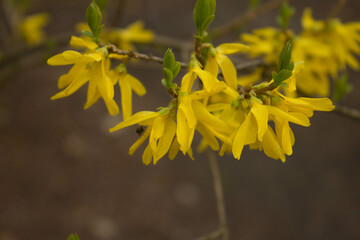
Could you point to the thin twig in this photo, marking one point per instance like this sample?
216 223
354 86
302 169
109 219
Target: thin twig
337 8
348 112
132 54
245 18
222 231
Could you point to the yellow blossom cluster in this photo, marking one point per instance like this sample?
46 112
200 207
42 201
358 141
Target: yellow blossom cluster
327 47
228 112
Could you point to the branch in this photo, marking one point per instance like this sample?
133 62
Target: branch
247 17
348 112
337 8
222 231
132 54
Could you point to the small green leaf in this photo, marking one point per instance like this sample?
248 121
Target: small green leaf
73 237
283 84
168 75
254 4
275 77
284 74
286 12
341 88
203 14
207 22
176 69
169 59
164 111
87 33
93 18
291 66
164 83
285 57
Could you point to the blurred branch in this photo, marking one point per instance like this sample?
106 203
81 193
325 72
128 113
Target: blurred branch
337 8
348 112
137 55
222 232
15 55
245 18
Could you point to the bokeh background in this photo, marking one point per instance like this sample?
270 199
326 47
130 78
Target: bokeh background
62 173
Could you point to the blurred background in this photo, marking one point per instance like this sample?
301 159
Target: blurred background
61 172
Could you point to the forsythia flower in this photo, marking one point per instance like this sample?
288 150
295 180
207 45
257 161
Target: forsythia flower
124 37
217 58
127 84
93 67
327 47
32 26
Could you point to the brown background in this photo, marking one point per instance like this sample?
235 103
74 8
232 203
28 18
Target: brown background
61 172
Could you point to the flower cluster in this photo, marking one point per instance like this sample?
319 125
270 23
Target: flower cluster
327 47
228 112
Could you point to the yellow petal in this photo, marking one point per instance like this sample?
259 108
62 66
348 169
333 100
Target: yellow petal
156 133
228 70
65 58
147 155
208 137
240 137
212 66
126 96
140 141
134 119
208 80
271 146
184 134
136 85
174 149
166 139
187 82
296 118
261 115
185 106
80 42
205 117
319 104
230 48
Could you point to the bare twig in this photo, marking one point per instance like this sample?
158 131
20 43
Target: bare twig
348 112
132 54
222 232
337 8
245 18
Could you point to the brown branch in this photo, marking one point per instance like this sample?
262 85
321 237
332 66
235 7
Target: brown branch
245 18
348 112
132 54
337 8
222 231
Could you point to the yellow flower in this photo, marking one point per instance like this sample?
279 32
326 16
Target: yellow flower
32 26
93 67
217 58
134 33
127 84
160 129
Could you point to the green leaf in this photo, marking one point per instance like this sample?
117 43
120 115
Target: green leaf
176 69
169 59
168 75
93 18
73 237
102 4
286 12
283 84
341 88
275 77
207 22
285 57
87 33
284 75
203 14
254 4
164 83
